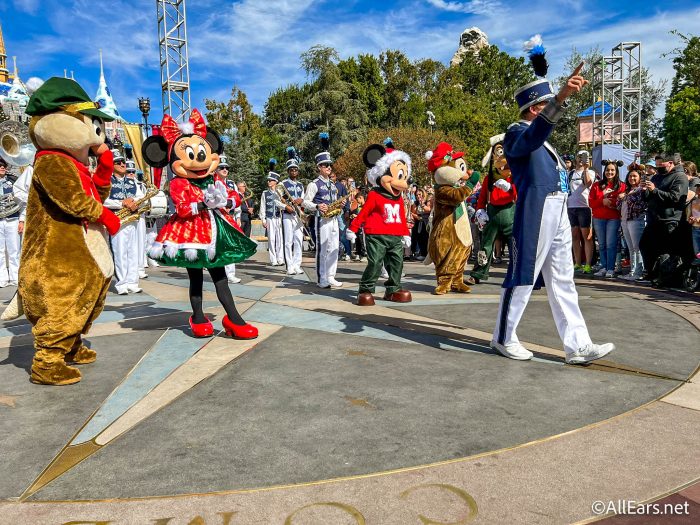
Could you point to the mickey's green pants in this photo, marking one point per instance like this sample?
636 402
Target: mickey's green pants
386 249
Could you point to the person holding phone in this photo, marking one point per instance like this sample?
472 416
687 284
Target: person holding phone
665 194
580 181
603 200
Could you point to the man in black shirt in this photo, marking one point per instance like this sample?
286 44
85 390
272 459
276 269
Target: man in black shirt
665 194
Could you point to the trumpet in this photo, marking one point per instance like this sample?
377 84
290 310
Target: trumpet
143 205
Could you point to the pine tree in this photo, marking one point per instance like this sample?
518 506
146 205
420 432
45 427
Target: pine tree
682 119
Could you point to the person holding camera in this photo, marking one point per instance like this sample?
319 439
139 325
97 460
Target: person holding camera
603 199
580 181
666 194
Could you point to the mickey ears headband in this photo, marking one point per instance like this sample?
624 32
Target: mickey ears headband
618 163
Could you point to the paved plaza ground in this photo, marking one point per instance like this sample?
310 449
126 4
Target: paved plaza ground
337 414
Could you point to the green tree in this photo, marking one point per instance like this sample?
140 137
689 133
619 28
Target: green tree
682 119
333 106
364 74
414 141
241 131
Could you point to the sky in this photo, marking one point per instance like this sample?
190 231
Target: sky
255 44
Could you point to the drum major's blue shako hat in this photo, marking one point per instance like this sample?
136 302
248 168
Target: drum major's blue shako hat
541 89
534 93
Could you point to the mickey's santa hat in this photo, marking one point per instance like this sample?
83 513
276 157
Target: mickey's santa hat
378 159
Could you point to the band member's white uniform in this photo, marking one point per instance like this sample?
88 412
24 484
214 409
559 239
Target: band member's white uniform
271 214
292 227
541 243
140 225
9 235
125 242
320 193
21 189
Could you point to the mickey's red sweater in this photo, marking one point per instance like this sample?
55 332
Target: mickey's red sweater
382 216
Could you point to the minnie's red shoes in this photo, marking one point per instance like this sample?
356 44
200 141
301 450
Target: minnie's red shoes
246 331
202 329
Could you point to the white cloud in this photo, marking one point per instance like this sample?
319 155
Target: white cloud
256 45
475 6
26 6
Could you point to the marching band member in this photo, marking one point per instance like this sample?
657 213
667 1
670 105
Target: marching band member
9 234
123 194
21 190
271 214
319 194
141 223
292 227
222 171
541 231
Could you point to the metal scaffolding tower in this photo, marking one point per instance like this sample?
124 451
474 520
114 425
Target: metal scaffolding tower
617 97
174 66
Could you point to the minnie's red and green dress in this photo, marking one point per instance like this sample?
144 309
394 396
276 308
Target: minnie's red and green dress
200 239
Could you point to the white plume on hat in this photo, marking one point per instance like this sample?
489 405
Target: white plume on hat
530 44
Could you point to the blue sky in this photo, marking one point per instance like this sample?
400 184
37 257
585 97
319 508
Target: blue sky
255 44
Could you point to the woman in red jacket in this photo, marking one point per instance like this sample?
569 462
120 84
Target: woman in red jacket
606 215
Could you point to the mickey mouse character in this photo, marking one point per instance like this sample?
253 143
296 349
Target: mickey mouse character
385 222
200 234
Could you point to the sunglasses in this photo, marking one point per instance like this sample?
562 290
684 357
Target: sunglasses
120 162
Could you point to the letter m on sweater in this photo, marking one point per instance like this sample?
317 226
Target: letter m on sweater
392 213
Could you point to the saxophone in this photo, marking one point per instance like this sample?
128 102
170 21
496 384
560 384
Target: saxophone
143 204
335 208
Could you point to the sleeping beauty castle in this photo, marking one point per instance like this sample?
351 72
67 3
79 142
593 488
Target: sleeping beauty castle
14 96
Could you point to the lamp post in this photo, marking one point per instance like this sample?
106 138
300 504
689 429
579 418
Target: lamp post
431 120
145 108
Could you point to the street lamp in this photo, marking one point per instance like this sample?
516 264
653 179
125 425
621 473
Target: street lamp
431 120
145 108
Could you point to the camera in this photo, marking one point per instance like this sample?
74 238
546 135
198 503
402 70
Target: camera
583 157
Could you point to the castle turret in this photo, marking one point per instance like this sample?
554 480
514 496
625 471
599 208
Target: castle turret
4 73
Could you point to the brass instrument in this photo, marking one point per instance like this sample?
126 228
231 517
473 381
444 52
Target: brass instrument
335 208
8 205
15 146
288 200
143 205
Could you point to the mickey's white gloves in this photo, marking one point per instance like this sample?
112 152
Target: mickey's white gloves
406 241
350 235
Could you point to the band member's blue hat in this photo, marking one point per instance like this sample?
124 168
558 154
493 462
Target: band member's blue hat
535 92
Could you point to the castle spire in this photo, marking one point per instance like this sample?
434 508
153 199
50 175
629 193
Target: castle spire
4 73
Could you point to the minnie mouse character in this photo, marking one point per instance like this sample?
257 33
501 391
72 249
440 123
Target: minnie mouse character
200 234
